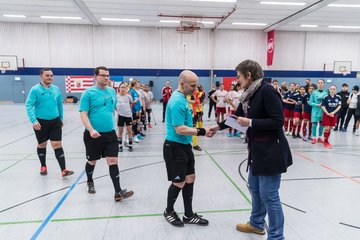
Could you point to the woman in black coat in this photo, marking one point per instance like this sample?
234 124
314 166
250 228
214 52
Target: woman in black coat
269 153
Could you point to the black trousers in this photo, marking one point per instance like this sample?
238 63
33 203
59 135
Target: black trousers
350 113
164 109
211 106
341 117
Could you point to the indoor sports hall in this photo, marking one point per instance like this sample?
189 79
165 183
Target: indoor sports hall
152 42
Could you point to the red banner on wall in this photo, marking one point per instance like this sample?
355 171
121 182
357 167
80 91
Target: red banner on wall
227 81
270 48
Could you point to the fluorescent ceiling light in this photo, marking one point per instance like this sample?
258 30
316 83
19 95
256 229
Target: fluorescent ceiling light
59 17
14 16
205 22
121 19
348 27
230 1
345 5
308 25
249 24
285 3
169 21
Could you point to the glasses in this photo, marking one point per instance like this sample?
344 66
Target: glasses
103 75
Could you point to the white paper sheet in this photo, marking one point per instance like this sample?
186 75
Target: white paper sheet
231 122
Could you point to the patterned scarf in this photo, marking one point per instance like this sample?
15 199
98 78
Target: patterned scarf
245 97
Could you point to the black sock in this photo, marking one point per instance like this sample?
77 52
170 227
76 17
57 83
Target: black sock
60 156
130 140
187 193
115 177
42 156
89 169
173 193
120 141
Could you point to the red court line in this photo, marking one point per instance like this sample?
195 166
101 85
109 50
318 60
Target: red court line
306 158
341 174
328 168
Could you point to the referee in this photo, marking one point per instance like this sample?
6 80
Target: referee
97 106
45 110
178 155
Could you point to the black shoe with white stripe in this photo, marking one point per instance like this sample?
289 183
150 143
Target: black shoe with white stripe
173 219
195 219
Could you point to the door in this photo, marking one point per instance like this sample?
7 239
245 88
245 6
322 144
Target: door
18 91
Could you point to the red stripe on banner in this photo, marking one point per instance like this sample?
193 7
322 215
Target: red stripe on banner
88 77
270 47
88 85
74 89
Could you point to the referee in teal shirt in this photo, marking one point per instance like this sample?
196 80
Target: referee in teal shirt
45 110
178 155
97 106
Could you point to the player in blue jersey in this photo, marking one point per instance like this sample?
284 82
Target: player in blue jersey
306 113
289 106
330 105
299 96
45 110
97 108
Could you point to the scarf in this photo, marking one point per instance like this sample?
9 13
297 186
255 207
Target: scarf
245 97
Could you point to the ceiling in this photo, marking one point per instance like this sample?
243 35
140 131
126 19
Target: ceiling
278 17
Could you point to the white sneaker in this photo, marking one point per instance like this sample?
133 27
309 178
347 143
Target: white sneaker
242 136
136 139
357 133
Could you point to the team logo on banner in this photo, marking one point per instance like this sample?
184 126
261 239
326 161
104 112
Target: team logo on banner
78 84
270 48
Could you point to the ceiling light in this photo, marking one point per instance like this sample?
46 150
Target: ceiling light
230 1
121 19
308 25
205 22
348 27
249 24
14 16
59 17
285 3
344 5
169 21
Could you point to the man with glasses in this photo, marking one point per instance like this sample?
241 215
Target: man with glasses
97 106
45 110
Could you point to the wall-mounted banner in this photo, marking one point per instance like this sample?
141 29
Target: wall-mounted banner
270 48
78 84
227 81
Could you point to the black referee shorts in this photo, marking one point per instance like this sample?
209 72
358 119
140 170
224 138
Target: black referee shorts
50 129
104 146
179 160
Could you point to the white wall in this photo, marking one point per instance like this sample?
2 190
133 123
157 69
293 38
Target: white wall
86 46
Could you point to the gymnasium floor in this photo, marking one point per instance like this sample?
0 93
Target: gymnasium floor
320 192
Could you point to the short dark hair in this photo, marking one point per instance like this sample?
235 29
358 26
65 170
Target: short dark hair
252 67
275 80
44 70
97 69
345 85
321 80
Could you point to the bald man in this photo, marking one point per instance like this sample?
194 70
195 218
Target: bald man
178 155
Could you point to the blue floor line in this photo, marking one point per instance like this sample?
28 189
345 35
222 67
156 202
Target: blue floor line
56 208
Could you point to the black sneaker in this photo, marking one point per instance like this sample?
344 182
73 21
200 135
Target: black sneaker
119 196
143 135
120 148
298 136
91 187
130 148
336 128
173 219
294 135
197 148
195 219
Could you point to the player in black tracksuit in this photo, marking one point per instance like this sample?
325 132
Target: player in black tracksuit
344 94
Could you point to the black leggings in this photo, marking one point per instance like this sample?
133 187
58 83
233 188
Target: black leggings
212 105
350 113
